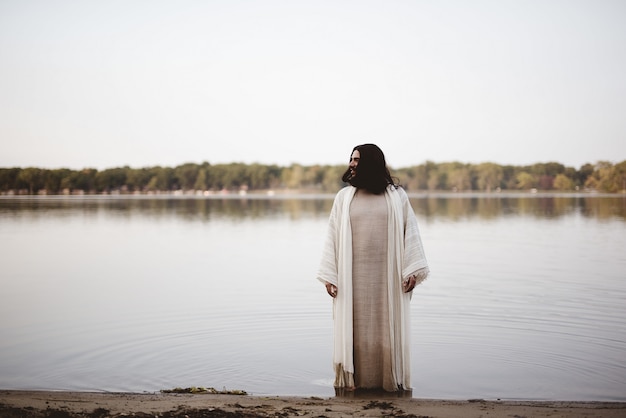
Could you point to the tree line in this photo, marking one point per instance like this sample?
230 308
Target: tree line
430 176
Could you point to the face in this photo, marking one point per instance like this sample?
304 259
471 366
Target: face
354 162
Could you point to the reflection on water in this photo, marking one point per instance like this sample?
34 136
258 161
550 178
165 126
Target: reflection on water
525 299
452 207
491 206
192 209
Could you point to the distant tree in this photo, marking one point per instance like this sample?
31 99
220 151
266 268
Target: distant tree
84 180
436 180
53 182
31 179
274 174
549 169
562 182
420 176
591 183
331 181
509 177
525 181
619 174
608 177
200 183
235 175
138 179
161 179
600 171
489 176
293 176
459 178
545 182
110 179
213 177
8 178
583 174
263 176
185 176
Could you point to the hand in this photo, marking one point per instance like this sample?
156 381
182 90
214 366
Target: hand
409 284
331 289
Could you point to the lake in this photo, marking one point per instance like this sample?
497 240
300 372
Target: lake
526 297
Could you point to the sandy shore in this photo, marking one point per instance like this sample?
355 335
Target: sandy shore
35 404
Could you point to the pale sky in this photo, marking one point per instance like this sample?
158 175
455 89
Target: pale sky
143 82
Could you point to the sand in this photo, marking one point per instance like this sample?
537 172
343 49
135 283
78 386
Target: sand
35 404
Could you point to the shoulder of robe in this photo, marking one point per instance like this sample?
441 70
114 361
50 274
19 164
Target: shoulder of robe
400 192
341 194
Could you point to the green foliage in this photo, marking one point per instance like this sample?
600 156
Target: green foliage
111 179
488 176
185 176
525 180
563 183
607 177
449 176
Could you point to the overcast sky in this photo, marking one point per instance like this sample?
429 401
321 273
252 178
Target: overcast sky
110 83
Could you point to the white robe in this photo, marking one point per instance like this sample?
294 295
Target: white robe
405 258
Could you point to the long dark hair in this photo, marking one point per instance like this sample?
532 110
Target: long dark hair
372 172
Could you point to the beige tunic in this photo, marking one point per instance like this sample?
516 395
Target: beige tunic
372 348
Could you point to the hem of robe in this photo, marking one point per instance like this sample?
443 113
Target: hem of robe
360 393
343 379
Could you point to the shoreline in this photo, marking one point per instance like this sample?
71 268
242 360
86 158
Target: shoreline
64 404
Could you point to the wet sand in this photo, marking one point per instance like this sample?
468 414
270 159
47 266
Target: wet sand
51 404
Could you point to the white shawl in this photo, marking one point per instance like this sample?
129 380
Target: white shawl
405 258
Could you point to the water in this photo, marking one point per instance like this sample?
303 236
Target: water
525 300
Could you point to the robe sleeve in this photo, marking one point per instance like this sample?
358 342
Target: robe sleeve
414 260
328 268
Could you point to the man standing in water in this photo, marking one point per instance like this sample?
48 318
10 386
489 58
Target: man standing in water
372 260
